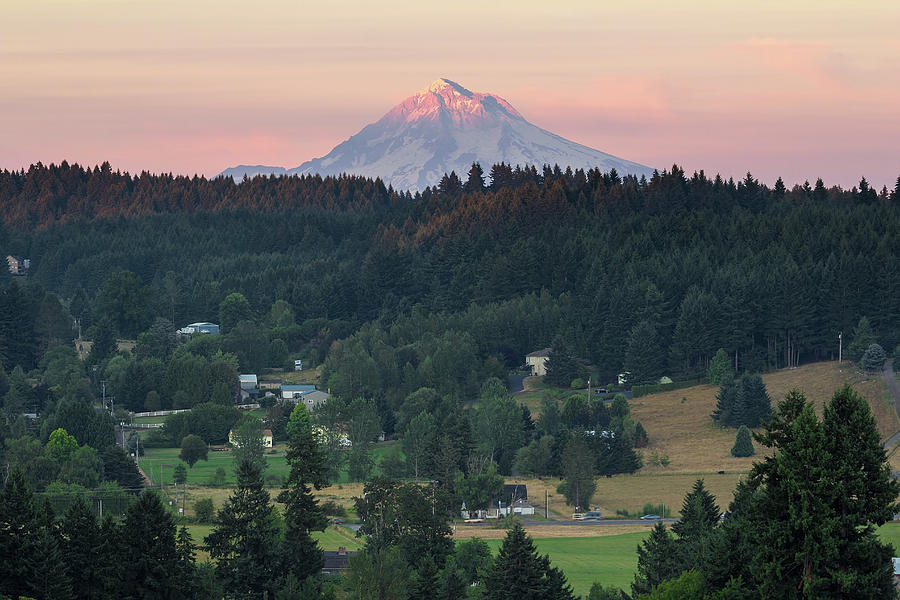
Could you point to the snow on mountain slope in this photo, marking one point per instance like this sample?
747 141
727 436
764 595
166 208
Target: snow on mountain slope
446 127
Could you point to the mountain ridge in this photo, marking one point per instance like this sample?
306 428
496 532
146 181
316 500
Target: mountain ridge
446 127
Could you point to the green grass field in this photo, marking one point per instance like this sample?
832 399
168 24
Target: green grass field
164 459
610 560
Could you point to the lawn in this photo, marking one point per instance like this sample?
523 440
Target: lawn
611 560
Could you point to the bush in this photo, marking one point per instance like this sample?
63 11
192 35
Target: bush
204 510
743 445
577 384
218 478
873 359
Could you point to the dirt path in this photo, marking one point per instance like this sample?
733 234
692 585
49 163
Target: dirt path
891 381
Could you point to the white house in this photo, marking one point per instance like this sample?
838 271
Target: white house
538 362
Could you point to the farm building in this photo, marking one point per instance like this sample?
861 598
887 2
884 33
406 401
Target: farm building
294 391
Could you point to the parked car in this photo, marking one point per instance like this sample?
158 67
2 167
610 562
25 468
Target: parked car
651 518
336 521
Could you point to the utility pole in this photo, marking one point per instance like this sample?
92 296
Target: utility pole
840 347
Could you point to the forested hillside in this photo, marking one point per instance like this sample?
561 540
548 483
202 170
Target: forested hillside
669 269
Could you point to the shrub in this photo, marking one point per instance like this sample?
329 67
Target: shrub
743 445
577 384
873 359
204 510
218 478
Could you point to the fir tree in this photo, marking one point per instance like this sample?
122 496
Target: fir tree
699 518
823 492
754 400
644 359
863 337
302 513
657 561
81 545
46 564
725 400
475 182
149 554
245 542
873 359
743 445
561 365
18 534
519 573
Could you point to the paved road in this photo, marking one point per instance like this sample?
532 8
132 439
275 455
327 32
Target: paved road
354 527
891 382
516 384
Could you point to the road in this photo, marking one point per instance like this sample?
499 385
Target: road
891 381
516 384
354 527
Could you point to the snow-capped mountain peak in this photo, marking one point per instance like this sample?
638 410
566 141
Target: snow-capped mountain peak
446 127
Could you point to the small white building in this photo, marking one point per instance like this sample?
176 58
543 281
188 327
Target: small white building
203 327
248 381
522 507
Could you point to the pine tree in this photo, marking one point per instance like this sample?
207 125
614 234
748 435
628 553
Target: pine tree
424 581
755 401
699 518
561 366
81 545
725 400
244 544
873 359
657 561
644 360
47 568
475 182
519 573
863 337
302 513
822 493
187 567
149 554
743 445
18 534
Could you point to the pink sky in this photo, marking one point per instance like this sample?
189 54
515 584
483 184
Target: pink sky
806 90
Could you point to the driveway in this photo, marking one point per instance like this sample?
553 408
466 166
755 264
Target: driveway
891 381
516 383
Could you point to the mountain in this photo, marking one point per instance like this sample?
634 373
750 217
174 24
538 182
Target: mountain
445 128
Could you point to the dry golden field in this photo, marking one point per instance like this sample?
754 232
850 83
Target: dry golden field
679 425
